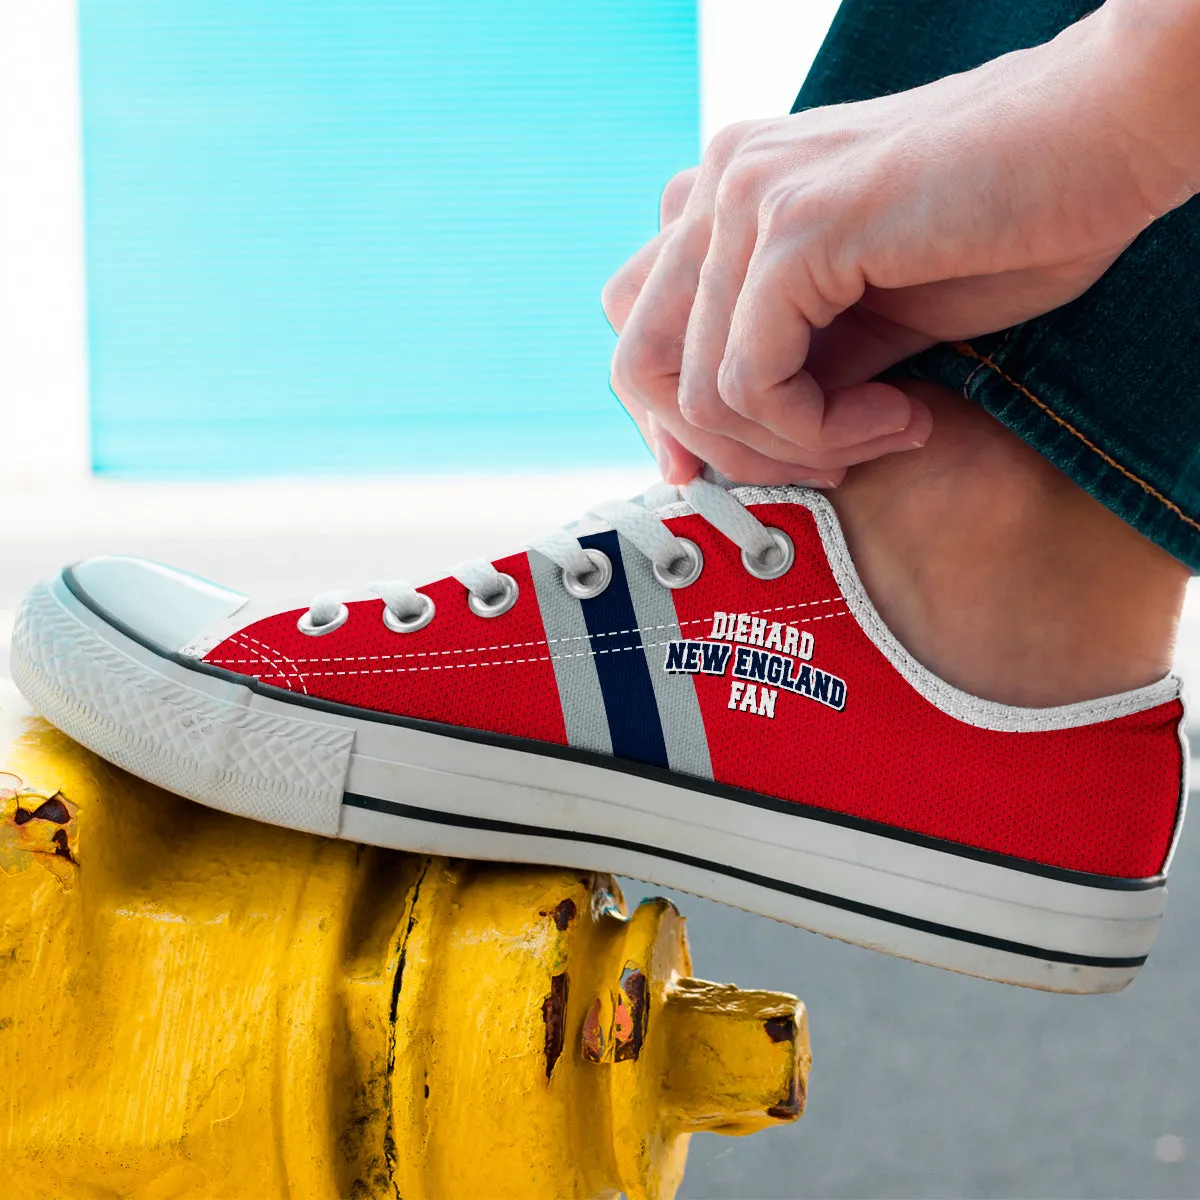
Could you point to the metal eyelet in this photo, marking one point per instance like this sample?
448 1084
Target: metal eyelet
305 624
684 570
410 624
495 605
585 587
775 561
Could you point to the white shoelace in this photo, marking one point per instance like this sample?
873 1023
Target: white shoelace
767 553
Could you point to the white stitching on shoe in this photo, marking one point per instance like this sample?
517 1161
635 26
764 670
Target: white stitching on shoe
507 662
279 670
544 642
276 662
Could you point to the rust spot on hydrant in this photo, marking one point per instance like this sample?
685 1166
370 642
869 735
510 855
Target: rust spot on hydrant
564 914
629 1026
61 847
781 1029
791 1105
33 815
554 1014
593 1034
54 809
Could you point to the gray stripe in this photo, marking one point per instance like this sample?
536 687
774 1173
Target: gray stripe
678 708
570 650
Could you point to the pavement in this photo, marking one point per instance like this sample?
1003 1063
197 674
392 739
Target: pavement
925 1084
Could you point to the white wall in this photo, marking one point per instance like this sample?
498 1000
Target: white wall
43 361
754 55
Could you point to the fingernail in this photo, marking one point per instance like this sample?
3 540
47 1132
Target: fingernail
921 425
897 423
815 482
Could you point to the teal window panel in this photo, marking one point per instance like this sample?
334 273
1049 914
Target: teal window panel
369 236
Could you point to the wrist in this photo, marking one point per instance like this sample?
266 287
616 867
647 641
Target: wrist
1141 57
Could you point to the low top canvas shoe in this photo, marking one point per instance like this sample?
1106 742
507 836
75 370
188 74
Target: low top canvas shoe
691 688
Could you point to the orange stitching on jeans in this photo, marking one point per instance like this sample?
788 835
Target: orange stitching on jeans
969 351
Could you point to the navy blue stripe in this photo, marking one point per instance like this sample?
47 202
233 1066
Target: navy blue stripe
621 666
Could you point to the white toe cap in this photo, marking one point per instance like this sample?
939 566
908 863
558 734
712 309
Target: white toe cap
158 604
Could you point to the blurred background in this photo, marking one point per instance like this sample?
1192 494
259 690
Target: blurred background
303 295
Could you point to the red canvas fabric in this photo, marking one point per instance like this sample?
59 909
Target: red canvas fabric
494 674
1102 798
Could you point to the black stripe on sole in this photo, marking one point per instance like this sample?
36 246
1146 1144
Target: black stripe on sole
430 816
605 762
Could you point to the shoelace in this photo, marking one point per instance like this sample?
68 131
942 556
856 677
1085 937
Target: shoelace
767 553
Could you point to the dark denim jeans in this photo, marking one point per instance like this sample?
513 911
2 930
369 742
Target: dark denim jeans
1106 387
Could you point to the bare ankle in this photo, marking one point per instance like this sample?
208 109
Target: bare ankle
1002 576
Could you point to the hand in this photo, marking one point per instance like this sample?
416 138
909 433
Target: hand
807 254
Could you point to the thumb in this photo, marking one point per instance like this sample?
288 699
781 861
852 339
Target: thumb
677 464
857 345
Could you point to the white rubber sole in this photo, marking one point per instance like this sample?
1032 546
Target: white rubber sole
271 756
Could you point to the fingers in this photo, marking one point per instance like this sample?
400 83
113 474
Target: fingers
622 290
735 202
645 426
677 464
794 421
645 365
680 461
738 459
716 320
735 460
646 378
682 450
675 196
720 282
647 362
649 357
856 420
761 373
663 279
858 345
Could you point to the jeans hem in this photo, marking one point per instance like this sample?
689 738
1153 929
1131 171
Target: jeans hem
976 375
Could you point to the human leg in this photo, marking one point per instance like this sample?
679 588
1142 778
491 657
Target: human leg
1000 574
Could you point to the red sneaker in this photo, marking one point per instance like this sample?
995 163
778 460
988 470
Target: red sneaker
691 689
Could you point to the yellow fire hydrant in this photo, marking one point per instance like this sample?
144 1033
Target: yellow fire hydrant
193 1005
